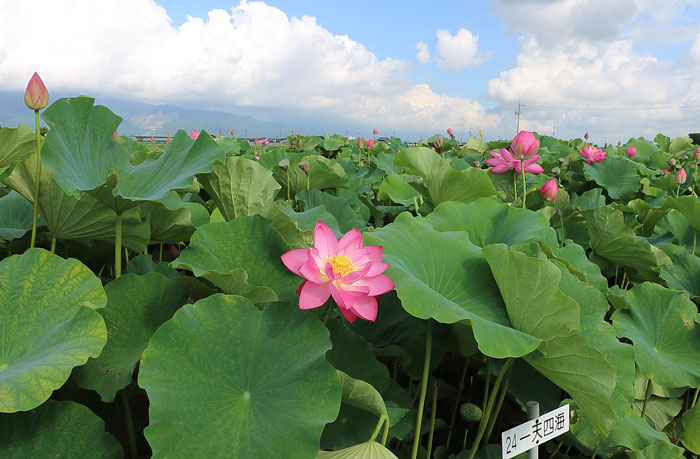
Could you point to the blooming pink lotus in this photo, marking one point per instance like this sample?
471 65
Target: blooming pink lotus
549 190
375 131
530 166
524 145
344 269
593 154
502 161
36 96
631 151
194 134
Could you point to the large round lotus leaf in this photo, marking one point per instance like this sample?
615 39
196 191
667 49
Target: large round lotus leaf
227 380
660 323
16 145
136 307
80 151
443 276
15 216
367 450
684 274
337 206
48 325
689 206
56 429
240 256
396 189
691 429
617 175
323 173
490 222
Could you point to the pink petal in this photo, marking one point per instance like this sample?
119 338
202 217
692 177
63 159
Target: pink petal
294 259
366 308
348 314
313 295
348 238
311 272
376 269
325 241
335 293
377 284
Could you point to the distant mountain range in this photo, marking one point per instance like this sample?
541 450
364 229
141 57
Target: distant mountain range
148 119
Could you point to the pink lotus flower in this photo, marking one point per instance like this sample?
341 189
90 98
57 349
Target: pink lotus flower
153 139
530 165
265 141
631 151
361 142
502 161
233 131
593 154
36 95
375 131
344 269
681 176
449 131
696 154
194 134
549 190
524 145
370 143
666 171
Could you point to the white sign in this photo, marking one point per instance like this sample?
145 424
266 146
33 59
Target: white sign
535 432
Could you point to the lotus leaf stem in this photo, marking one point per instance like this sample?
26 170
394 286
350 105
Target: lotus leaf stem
118 247
695 398
561 222
647 393
423 388
501 397
383 421
487 383
38 178
457 400
556 450
53 244
695 240
489 407
432 421
515 185
522 171
129 426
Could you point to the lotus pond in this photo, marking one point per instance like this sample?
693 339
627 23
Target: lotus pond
337 298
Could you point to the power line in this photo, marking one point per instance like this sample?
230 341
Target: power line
609 108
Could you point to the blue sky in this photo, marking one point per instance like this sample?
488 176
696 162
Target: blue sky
413 68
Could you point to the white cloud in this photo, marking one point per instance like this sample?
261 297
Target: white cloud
458 51
423 55
251 56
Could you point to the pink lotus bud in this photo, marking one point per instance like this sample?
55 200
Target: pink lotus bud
619 143
549 190
370 143
174 251
115 136
681 176
449 131
666 171
696 154
233 131
153 139
524 145
631 151
194 134
221 132
361 142
265 141
36 96
375 131
586 136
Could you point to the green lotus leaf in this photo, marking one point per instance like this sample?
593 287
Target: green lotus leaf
611 238
16 214
173 220
339 207
361 394
48 325
684 274
490 222
57 429
144 264
689 206
443 276
677 225
617 175
396 189
80 151
250 244
660 323
442 181
16 145
659 411
574 258
385 162
136 307
658 450
80 217
367 450
588 200
691 429
240 187
227 380
323 173
307 219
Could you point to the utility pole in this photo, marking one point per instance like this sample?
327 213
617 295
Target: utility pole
553 126
517 125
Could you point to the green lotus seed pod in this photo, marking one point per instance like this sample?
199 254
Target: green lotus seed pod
470 412
436 141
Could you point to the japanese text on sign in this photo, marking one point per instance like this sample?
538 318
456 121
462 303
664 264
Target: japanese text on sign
535 432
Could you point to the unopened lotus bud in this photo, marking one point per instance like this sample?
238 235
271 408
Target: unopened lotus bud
586 136
681 176
36 96
284 164
304 165
619 143
696 154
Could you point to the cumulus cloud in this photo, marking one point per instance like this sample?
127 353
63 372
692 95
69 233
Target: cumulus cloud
423 55
458 51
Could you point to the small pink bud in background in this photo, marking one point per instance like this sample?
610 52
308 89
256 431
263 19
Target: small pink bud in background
115 136
233 131
375 131
619 143
361 142
174 251
586 136
153 139
696 154
666 171
194 134
681 176
524 145
606 145
449 131
549 190
370 143
265 141
631 151
36 96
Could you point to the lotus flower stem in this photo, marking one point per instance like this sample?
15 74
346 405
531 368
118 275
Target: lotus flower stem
556 450
522 169
501 397
432 421
53 244
328 316
695 398
126 255
38 178
459 396
646 397
118 247
160 253
423 389
695 240
129 426
383 421
617 265
515 185
561 223
489 407
487 383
